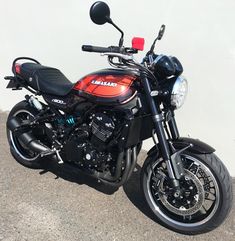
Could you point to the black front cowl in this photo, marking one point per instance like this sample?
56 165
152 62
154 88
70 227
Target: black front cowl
166 66
163 67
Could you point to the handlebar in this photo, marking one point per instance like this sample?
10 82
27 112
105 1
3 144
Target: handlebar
111 49
121 53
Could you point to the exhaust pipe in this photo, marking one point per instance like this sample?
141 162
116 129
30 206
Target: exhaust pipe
27 138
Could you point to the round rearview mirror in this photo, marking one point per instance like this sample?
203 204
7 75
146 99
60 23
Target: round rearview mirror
161 32
100 13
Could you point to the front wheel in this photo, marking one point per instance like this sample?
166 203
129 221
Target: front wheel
205 196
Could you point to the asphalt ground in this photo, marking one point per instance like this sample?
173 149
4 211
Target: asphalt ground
56 204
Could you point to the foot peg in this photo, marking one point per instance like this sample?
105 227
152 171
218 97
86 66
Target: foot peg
52 152
59 157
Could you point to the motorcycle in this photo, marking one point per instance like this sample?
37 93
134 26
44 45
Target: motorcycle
98 124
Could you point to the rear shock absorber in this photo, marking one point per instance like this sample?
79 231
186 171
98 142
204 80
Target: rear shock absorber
69 120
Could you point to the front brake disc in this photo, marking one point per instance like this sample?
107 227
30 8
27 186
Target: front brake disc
183 211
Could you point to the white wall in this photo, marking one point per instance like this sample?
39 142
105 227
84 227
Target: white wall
200 33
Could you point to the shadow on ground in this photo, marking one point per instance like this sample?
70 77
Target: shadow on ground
72 174
133 191
131 188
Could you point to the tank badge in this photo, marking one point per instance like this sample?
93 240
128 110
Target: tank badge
103 83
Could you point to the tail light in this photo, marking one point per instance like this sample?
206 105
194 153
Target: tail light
17 68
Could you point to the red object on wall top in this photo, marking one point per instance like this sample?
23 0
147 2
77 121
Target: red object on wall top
138 43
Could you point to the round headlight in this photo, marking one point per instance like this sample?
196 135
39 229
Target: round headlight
179 92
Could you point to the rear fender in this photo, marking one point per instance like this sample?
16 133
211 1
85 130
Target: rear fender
14 83
198 147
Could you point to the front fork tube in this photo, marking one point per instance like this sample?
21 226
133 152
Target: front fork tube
172 126
157 120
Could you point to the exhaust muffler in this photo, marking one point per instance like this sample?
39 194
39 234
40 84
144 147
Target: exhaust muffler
27 138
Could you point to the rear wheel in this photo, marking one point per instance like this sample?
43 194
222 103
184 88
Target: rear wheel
205 196
19 151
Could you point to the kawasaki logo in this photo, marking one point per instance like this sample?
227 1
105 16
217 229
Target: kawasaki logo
103 83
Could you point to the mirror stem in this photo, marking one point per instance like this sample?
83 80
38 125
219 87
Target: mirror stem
153 46
122 34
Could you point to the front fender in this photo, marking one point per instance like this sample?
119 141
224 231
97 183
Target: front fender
198 147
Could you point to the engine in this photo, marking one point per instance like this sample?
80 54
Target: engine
102 128
87 145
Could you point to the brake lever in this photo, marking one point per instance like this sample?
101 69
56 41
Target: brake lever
123 56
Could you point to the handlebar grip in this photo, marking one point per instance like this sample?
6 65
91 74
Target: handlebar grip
90 48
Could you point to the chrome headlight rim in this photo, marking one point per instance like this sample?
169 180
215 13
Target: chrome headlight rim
179 92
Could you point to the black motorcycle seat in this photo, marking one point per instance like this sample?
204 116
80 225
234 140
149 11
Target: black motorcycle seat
45 79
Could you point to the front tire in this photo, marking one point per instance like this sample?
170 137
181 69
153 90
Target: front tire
207 184
20 153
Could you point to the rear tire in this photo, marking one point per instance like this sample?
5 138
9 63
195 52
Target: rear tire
20 153
222 202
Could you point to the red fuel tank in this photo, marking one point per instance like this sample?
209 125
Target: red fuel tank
109 86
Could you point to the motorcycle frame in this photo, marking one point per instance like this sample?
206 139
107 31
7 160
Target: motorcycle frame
128 138
157 117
